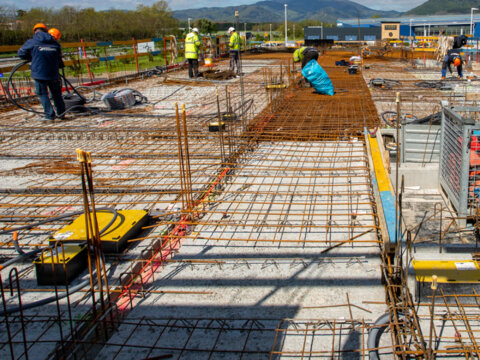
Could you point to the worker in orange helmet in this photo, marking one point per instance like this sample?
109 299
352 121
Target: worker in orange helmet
45 53
55 33
452 57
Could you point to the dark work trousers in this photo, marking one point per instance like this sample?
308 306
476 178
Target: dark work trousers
447 62
55 87
309 55
192 68
234 59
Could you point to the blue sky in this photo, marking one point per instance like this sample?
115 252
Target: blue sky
400 5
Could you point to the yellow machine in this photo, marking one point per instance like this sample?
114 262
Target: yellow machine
114 239
214 126
450 271
61 267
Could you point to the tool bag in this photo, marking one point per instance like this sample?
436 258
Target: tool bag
318 78
124 98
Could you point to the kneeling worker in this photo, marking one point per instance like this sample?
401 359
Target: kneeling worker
305 54
452 57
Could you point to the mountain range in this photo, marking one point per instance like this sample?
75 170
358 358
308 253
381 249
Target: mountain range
441 7
298 10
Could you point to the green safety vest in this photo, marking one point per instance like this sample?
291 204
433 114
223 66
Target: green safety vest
298 54
192 46
234 42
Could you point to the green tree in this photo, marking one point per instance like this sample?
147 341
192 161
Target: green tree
205 26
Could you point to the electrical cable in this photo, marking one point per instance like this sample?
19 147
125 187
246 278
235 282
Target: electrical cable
26 227
22 254
47 300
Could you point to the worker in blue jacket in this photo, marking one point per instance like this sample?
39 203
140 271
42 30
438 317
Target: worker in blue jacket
452 57
45 53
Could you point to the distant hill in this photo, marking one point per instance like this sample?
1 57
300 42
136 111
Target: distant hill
439 7
298 10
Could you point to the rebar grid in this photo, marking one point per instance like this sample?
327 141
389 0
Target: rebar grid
290 196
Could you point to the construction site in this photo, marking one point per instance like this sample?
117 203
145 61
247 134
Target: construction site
245 217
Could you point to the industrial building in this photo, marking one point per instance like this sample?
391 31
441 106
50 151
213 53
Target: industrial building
373 29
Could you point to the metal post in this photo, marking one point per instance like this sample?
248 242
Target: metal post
321 29
135 53
399 117
189 24
434 290
471 19
240 70
270 32
293 32
286 37
88 66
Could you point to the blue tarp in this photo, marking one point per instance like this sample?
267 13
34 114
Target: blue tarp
318 78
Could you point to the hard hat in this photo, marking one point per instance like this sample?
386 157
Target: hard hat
55 33
457 61
195 30
40 26
230 29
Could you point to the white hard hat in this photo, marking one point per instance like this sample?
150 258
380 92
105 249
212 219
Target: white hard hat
195 30
230 29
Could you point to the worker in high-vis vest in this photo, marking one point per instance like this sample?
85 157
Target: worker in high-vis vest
192 49
305 54
234 46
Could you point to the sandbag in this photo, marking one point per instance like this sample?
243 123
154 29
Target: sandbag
318 78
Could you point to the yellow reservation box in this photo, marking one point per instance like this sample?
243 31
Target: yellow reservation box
447 271
114 239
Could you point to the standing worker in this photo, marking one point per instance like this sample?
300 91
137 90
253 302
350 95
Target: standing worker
234 46
55 33
45 53
459 41
305 54
452 57
192 48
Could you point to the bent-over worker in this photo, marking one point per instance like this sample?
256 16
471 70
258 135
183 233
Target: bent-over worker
305 54
452 57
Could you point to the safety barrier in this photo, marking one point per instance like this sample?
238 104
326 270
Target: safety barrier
95 63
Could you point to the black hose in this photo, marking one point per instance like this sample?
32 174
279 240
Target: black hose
26 227
375 334
23 255
390 118
45 301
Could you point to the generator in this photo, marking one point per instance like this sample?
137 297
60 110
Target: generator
60 266
127 224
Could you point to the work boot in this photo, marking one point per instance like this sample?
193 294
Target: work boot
43 119
443 78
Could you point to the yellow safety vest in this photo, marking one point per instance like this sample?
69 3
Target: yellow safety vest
234 42
192 46
298 54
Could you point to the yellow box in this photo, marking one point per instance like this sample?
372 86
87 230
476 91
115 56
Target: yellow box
66 265
127 224
447 271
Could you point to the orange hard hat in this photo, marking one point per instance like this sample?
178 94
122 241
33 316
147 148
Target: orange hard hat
55 33
457 62
40 26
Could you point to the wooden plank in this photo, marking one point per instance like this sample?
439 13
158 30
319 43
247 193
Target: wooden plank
9 48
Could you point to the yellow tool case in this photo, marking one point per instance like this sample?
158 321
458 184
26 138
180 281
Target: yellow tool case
114 239
67 264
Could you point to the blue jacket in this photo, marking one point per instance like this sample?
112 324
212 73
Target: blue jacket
46 56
